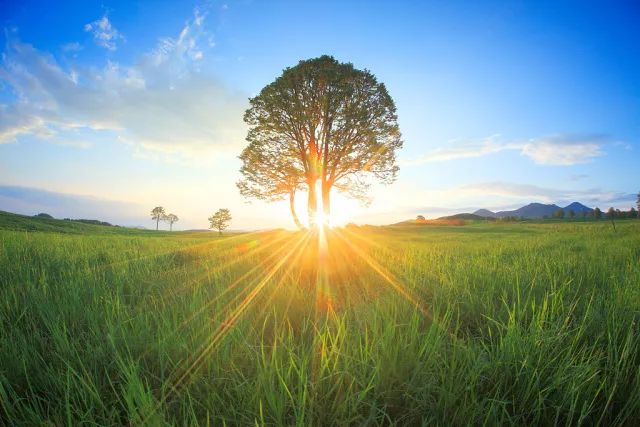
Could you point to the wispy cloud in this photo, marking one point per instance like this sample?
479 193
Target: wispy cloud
388 207
514 192
578 177
71 47
559 150
161 103
104 33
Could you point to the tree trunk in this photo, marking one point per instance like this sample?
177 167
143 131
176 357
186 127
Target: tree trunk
170 226
157 222
292 206
312 203
326 202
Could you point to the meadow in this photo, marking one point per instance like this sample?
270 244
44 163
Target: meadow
482 324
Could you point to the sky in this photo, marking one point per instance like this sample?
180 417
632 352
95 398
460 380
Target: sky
109 108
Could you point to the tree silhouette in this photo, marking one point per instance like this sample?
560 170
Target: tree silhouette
611 214
171 218
572 214
220 220
420 218
597 213
332 124
638 204
158 214
268 175
559 213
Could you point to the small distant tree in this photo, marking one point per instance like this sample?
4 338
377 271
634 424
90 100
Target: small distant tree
633 213
220 220
559 214
158 214
171 219
420 218
597 213
572 214
611 214
584 214
638 205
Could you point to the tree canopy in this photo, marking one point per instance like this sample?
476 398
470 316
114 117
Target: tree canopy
157 214
328 123
220 220
171 219
267 175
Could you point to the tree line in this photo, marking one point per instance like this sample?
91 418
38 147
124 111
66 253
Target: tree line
597 213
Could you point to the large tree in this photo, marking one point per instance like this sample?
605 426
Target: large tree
334 124
157 214
268 175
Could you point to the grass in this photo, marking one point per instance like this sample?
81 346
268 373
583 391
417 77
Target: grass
484 324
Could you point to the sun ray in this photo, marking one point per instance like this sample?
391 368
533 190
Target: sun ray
386 275
226 290
225 326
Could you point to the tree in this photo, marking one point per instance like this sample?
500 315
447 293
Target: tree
220 220
632 213
333 124
158 215
572 213
611 214
597 213
420 218
638 205
171 218
559 214
267 175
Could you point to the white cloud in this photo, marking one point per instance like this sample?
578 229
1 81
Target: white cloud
72 47
564 150
559 150
104 33
161 103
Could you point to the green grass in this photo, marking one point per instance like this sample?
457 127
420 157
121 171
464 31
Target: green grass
484 324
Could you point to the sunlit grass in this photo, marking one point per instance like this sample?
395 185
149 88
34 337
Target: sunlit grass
480 324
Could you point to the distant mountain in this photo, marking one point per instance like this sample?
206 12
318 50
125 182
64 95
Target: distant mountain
577 208
468 216
534 210
485 213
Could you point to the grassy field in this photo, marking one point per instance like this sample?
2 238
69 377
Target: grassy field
480 324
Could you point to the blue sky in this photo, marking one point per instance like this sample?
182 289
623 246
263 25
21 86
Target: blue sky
120 106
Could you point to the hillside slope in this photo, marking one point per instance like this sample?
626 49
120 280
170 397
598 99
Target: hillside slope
16 222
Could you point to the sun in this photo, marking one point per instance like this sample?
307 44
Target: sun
322 219
342 211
